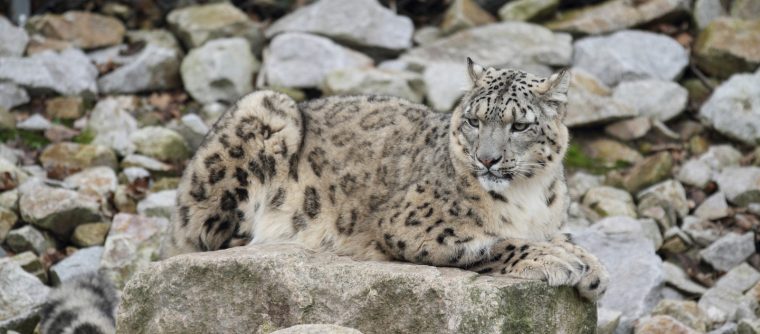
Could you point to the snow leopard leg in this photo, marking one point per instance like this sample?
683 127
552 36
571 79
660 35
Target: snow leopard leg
251 146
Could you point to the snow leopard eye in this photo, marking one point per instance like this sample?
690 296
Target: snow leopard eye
520 127
473 122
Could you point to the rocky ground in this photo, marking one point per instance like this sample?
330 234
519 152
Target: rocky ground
102 103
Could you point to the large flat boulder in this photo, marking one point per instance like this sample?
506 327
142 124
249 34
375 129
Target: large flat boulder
266 287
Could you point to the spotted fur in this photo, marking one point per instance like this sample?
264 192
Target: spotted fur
382 178
84 305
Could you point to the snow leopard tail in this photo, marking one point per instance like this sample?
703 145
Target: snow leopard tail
254 144
84 305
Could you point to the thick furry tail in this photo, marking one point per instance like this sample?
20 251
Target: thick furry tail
84 305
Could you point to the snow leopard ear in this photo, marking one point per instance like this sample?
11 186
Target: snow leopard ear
554 89
474 70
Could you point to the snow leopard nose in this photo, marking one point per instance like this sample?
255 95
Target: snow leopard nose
489 161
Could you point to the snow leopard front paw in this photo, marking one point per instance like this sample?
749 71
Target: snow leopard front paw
544 261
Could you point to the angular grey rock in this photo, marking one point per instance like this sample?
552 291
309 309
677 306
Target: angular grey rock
192 128
676 277
220 70
83 261
729 251
520 45
54 209
727 328
12 95
67 73
580 182
748 326
659 99
36 122
445 83
301 60
733 109
375 297
152 68
719 157
13 39
507 44
12 174
740 279
605 201
153 165
590 102
636 273
740 184
701 231
159 37
630 55
614 15
196 25
607 320
96 182
668 194
705 11
27 238
427 35
629 129
112 122
685 311
361 23
695 172
723 305
317 329
712 208
404 84
160 204
21 296
160 143
132 243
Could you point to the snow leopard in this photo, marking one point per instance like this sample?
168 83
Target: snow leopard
86 304
381 178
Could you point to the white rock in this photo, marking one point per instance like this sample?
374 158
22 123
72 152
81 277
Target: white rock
729 251
302 60
721 156
363 23
68 72
606 201
83 261
135 173
590 102
723 305
740 184
27 238
132 244
607 320
160 204
197 24
659 99
153 165
21 295
712 208
192 128
13 39
668 193
676 277
153 68
695 172
740 279
629 129
580 182
707 10
701 231
445 83
96 182
733 109
12 95
220 70
404 84
54 209
636 273
630 55
112 123
36 122
520 45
